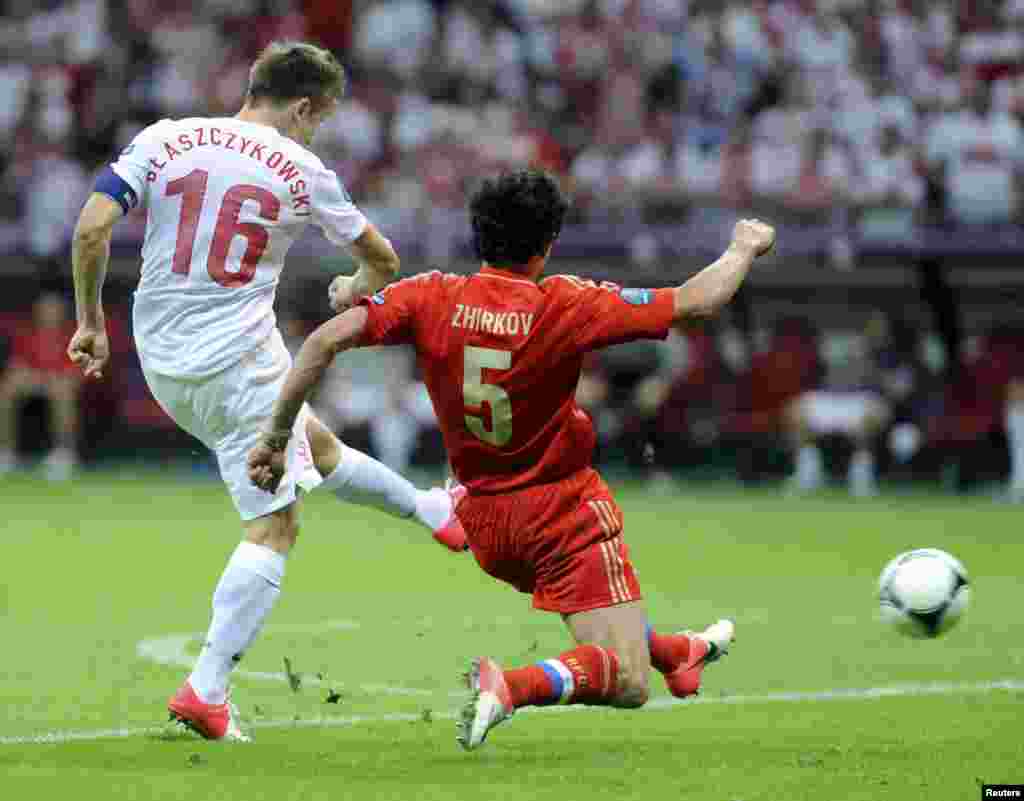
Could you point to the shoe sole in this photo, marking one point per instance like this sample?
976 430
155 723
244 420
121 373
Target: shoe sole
179 718
473 724
469 712
710 658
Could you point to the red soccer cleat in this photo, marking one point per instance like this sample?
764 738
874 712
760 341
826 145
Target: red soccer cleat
490 703
706 647
451 534
212 721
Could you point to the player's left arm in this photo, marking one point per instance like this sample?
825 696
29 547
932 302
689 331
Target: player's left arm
267 459
603 315
90 253
346 226
712 288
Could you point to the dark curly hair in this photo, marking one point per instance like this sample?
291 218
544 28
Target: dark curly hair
516 216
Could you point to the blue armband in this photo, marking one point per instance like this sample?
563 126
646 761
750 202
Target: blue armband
112 185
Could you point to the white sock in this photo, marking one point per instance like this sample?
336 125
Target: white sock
245 594
861 474
1015 435
361 479
394 439
810 472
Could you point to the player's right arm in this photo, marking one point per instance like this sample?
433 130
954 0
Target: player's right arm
90 252
384 319
119 188
712 288
266 460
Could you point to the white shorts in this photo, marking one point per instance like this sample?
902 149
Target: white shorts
228 411
838 412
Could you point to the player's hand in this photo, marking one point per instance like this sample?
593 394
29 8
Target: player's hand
266 467
345 292
754 236
90 350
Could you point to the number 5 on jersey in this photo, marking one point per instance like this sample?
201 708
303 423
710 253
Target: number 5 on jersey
478 395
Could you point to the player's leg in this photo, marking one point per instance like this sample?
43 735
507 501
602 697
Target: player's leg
863 420
15 384
225 412
246 593
1015 438
621 633
244 596
355 477
623 630
798 422
62 392
608 667
595 589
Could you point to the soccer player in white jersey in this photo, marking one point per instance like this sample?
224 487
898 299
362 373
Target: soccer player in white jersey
225 199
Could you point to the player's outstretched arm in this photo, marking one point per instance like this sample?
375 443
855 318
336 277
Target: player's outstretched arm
378 266
708 291
267 459
90 252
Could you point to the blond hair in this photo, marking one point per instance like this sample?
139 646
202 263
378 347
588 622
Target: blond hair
287 71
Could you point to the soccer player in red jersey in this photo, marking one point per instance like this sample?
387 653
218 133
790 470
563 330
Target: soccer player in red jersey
501 352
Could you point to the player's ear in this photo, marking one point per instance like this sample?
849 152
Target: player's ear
302 109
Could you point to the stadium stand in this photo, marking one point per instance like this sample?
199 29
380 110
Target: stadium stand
883 137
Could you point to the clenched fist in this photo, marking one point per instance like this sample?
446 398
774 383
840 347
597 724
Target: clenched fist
267 465
90 350
754 236
346 291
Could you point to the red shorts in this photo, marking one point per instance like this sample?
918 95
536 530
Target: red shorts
562 542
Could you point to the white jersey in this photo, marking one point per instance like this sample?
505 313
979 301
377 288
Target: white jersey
225 200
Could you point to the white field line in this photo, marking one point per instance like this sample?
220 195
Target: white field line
172 649
852 694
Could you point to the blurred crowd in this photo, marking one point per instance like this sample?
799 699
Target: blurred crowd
817 407
870 116
870 113
811 407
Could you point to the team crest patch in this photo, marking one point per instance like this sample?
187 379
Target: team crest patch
637 297
377 299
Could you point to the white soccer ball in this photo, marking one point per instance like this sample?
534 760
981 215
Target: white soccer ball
923 593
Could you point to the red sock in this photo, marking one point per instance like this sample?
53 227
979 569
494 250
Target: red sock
668 651
585 675
531 686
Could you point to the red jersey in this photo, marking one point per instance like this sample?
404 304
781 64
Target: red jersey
501 357
43 349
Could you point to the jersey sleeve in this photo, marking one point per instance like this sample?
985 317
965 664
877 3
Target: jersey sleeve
391 313
333 210
607 314
128 178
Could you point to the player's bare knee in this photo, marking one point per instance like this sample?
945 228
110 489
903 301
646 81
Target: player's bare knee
324 445
875 420
794 420
1015 393
278 531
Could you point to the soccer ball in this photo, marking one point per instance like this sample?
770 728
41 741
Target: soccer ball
923 593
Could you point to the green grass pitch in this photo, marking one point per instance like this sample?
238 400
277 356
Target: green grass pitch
107 580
